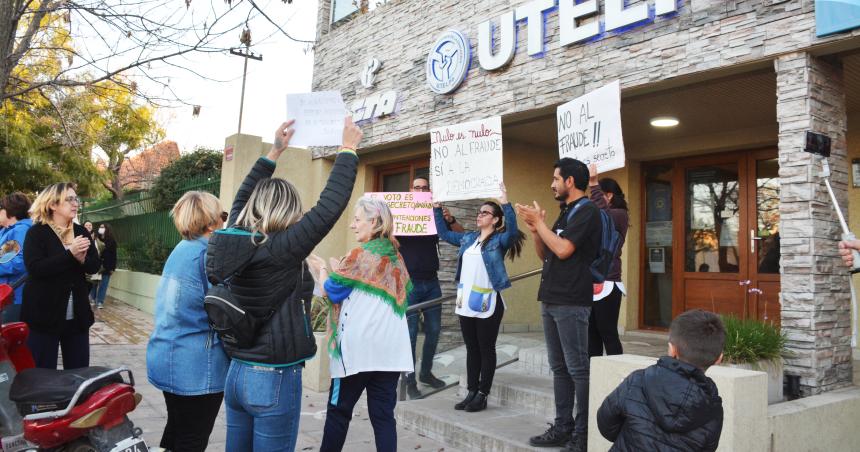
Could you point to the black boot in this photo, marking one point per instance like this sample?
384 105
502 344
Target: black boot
469 397
412 391
478 403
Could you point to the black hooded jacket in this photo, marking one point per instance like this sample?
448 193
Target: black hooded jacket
275 286
670 406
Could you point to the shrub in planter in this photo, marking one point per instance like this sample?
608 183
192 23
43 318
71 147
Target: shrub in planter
751 341
755 345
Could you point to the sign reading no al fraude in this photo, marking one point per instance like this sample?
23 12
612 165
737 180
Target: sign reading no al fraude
589 128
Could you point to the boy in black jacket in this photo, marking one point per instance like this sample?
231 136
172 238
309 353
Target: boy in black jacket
671 405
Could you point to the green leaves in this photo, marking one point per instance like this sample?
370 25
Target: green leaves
749 340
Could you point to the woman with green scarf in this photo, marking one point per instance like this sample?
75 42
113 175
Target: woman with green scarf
370 345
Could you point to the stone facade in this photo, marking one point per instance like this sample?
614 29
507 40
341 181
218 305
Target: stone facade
816 305
703 37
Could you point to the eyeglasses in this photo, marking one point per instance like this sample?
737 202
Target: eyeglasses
483 213
73 200
421 187
224 216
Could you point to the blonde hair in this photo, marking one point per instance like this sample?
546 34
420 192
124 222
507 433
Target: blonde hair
273 206
40 210
377 210
195 212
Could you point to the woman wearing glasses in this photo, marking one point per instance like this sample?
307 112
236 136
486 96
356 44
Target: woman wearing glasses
184 357
58 254
481 276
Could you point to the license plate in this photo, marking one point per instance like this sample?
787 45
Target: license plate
131 445
16 443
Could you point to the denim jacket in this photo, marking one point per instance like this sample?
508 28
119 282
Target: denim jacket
494 251
184 356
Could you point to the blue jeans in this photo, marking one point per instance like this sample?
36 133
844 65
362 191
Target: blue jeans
425 291
565 328
263 407
102 289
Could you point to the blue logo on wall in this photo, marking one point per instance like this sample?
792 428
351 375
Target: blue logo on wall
834 16
448 62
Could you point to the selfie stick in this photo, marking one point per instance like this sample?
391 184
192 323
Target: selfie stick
819 144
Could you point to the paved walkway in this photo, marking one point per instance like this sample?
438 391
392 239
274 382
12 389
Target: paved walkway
119 337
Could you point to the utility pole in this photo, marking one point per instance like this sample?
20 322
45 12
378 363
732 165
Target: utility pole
244 38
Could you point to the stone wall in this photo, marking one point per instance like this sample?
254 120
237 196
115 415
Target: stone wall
816 304
703 35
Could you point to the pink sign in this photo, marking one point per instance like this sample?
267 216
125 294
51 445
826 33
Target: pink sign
413 212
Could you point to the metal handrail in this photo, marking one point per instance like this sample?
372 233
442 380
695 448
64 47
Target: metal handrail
440 300
401 389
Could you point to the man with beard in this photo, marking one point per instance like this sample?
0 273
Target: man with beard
566 293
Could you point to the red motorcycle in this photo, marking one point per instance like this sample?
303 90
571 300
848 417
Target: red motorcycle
77 410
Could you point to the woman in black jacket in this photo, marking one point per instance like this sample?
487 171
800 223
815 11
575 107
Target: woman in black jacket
108 260
58 253
262 254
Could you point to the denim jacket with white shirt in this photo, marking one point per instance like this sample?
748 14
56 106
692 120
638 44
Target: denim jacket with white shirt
493 252
184 356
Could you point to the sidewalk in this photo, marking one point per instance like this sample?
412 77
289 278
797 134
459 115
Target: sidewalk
119 337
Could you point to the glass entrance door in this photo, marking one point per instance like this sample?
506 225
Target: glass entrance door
717 247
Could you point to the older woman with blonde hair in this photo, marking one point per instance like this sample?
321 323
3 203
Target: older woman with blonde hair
184 358
58 254
260 257
370 344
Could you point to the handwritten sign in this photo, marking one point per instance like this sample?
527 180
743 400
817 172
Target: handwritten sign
589 128
319 118
466 160
412 211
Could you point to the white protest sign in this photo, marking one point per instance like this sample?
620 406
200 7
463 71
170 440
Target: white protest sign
589 128
466 160
319 118
412 211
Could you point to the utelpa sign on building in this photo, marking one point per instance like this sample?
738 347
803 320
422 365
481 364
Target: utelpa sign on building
450 56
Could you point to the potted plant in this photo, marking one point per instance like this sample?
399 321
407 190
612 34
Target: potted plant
316 375
755 345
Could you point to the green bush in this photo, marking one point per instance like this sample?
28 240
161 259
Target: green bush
187 170
750 341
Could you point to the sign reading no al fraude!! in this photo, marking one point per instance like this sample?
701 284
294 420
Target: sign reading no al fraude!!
589 128
466 160
412 211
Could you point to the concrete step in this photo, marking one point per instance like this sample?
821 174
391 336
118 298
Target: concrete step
514 388
533 361
498 428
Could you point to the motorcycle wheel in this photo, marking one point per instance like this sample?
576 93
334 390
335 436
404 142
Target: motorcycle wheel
81 445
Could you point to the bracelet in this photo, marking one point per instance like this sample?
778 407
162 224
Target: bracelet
347 151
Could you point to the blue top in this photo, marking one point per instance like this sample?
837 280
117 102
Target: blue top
12 254
493 252
184 356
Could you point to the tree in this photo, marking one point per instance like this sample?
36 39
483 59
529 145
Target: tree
167 189
139 172
35 150
119 127
123 39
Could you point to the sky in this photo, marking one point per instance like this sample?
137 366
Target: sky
286 67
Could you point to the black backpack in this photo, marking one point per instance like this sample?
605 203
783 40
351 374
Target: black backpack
609 241
233 324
